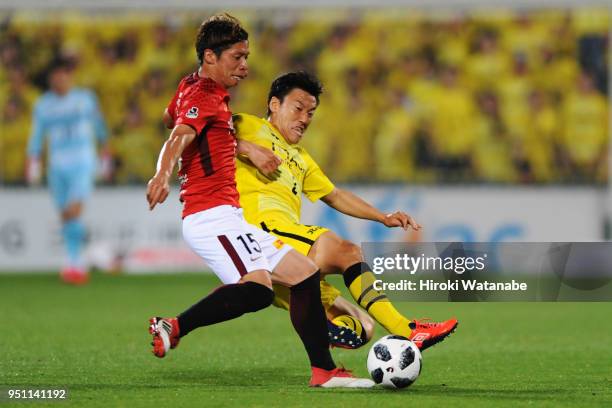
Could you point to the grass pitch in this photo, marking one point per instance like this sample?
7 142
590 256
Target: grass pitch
93 340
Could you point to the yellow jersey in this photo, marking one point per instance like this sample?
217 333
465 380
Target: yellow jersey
279 199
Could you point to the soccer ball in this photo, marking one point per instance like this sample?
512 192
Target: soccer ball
394 361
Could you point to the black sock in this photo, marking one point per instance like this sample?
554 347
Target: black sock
309 321
225 303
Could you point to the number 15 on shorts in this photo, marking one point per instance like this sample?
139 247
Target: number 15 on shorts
250 243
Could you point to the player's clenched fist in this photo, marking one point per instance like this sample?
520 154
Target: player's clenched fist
158 189
265 160
401 219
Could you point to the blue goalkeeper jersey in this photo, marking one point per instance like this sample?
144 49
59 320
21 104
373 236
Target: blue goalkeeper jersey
73 124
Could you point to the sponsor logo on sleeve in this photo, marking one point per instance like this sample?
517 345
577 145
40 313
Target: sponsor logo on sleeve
192 113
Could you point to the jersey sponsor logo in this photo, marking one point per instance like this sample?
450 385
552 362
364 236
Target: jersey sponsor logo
314 229
291 160
192 113
278 244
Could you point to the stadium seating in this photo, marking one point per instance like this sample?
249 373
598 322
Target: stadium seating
420 97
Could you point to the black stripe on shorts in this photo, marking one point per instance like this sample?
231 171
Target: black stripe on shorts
287 234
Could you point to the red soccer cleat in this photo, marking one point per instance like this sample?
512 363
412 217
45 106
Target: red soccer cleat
337 378
425 334
165 333
74 276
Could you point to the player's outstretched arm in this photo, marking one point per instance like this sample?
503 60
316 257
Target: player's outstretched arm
263 159
158 187
353 205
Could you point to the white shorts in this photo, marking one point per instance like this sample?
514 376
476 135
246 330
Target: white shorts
229 245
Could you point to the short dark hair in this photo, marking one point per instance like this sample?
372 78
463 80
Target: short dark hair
285 83
62 62
218 33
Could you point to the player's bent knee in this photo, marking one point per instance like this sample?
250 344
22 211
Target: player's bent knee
306 265
335 254
308 272
350 251
260 276
293 269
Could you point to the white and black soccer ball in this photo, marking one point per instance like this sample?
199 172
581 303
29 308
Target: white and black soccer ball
394 361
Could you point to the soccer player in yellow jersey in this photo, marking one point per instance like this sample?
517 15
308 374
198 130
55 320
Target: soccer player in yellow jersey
273 171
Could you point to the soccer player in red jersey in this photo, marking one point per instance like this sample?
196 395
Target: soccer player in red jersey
244 257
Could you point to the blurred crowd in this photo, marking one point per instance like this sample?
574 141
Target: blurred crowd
420 97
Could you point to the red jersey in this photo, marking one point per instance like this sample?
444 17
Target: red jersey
207 171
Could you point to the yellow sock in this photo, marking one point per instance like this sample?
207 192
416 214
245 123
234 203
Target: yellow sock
360 280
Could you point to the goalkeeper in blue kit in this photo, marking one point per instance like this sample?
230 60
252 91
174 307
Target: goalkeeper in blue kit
69 120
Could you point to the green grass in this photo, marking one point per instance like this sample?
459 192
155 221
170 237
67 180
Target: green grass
94 341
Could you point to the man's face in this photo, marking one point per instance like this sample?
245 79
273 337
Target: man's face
231 66
60 80
293 116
